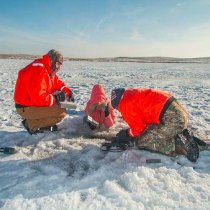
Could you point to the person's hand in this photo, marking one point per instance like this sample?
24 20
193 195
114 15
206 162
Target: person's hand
106 111
71 97
59 96
123 134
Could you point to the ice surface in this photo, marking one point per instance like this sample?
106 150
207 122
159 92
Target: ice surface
67 169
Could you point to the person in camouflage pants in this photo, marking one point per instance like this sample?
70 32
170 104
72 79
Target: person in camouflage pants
161 137
156 122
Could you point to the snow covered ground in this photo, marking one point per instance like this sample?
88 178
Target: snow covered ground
67 169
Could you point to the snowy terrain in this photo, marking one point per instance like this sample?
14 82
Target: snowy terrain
67 169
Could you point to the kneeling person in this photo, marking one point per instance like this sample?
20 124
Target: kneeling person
38 92
156 120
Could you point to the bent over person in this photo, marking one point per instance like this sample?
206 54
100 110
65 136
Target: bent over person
99 110
38 92
157 122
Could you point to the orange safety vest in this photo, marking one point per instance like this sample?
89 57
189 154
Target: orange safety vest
142 107
35 87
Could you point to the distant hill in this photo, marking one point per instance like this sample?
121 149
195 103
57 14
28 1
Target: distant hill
18 56
118 59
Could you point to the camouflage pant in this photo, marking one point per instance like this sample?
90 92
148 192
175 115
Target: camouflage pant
161 138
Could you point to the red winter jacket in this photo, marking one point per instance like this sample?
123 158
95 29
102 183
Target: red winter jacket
142 107
98 96
35 87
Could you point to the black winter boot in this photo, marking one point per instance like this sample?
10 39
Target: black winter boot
186 145
25 124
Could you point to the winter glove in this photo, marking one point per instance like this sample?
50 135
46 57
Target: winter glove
123 134
59 96
71 97
106 111
123 138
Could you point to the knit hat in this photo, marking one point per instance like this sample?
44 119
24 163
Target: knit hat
116 96
55 56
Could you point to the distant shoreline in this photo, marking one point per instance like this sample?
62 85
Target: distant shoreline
117 59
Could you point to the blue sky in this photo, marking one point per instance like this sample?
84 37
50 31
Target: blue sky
106 28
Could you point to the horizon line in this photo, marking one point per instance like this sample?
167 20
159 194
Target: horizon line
89 58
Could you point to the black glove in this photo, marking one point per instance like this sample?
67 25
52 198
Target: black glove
59 96
71 97
123 138
106 111
123 134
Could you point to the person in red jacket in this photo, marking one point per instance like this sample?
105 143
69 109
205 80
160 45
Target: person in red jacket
156 121
99 112
38 91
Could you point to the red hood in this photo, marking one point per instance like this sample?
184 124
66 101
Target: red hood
47 63
98 94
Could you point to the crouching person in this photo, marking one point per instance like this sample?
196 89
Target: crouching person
157 122
38 92
99 113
